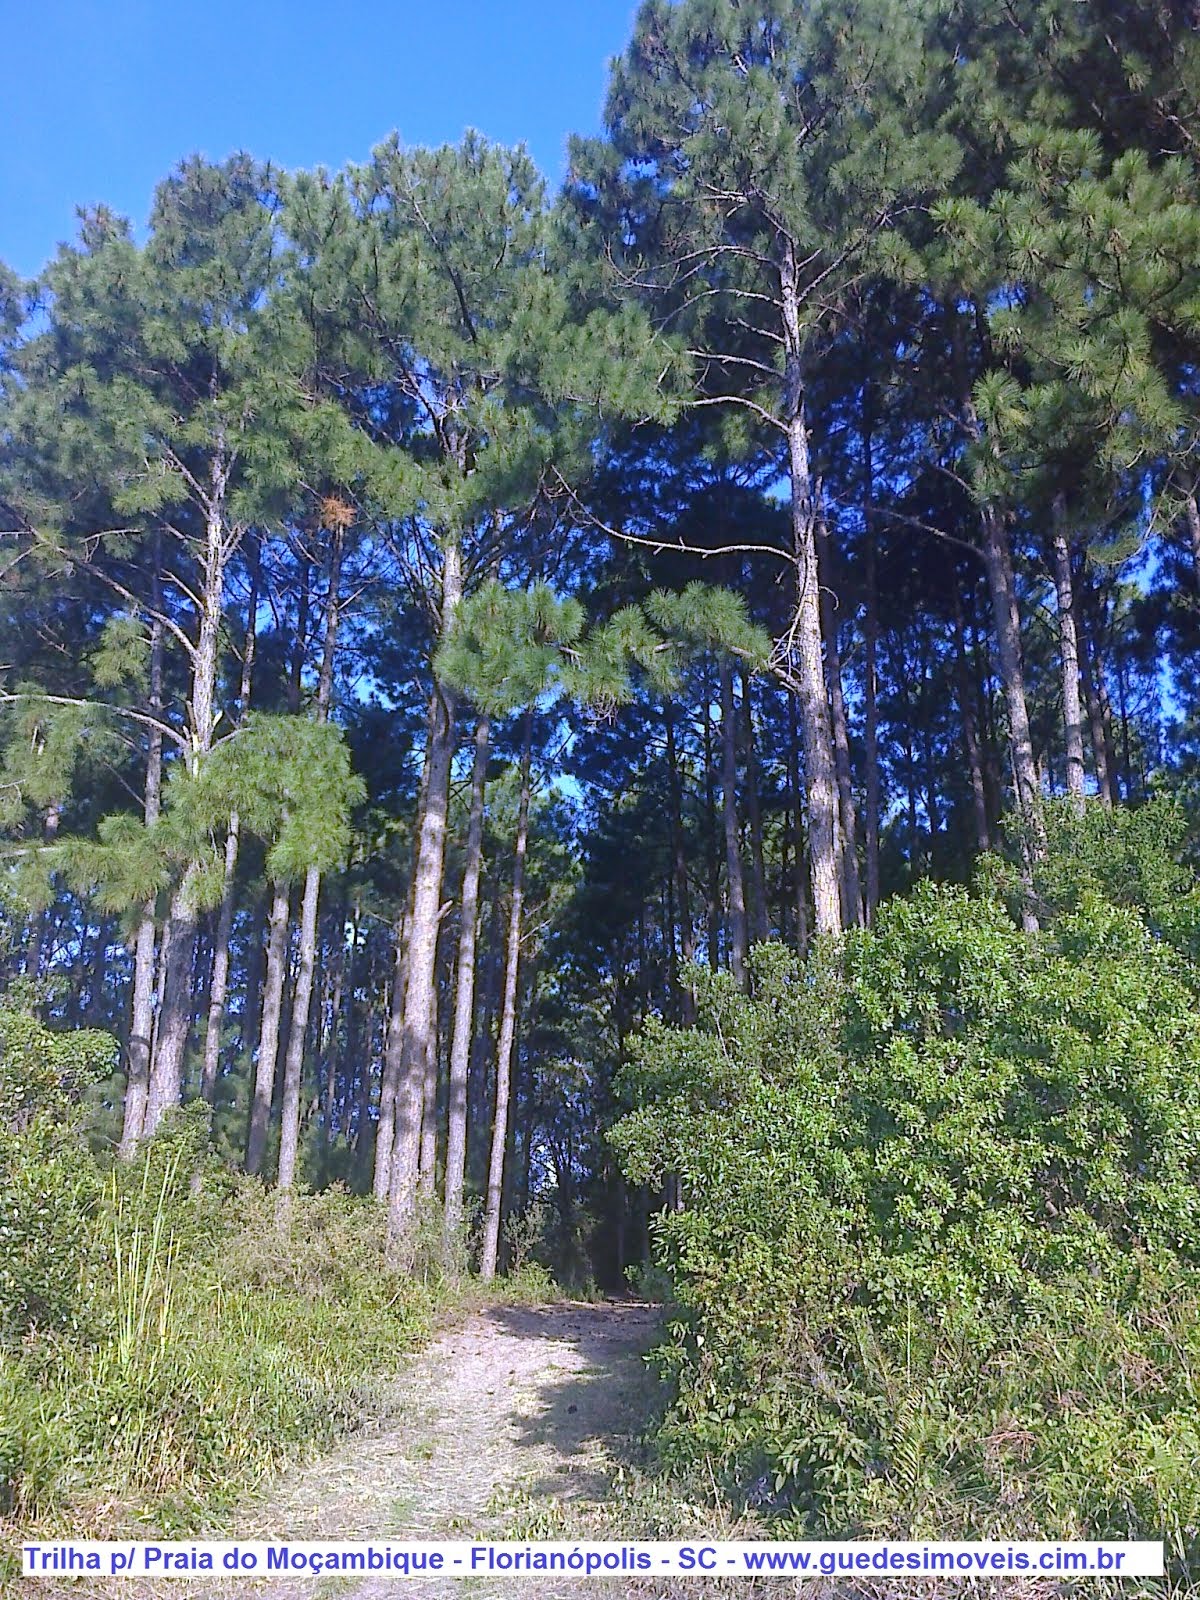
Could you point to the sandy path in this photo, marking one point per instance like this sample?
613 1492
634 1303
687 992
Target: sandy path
512 1412
518 1405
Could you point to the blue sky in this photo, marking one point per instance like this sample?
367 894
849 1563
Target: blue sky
101 99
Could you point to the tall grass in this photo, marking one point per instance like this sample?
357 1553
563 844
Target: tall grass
142 1258
217 1351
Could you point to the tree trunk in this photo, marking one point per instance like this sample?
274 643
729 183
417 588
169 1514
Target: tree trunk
393 1049
851 894
481 1088
710 818
218 992
1089 628
679 871
809 680
1192 512
733 846
427 1166
930 759
141 1030
250 1018
966 706
464 999
797 811
293 1069
1069 651
872 785
1002 591
1007 624
269 1029
1095 715
293 1064
337 985
419 1001
175 1018
390 1076
508 1022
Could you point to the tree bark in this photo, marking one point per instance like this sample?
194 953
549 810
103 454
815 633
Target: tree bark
851 894
175 1017
293 1069
390 1076
269 1029
679 871
419 1001
141 1030
966 707
218 993
1091 661
1002 591
759 922
1006 622
427 1166
1069 654
338 981
710 818
797 813
809 682
872 785
1095 715
464 999
508 1022
735 886
1192 514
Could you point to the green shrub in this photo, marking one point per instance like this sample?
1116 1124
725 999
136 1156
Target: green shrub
937 1266
47 1192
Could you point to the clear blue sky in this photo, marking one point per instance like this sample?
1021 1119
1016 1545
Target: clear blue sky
101 99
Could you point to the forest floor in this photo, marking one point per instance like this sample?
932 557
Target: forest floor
519 1422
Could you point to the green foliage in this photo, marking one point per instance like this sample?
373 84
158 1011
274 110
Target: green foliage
47 1194
291 781
219 1342
1131 858
701 617
165 1337
41 745
509 648
938 1262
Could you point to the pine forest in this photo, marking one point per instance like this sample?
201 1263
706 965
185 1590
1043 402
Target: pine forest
626 743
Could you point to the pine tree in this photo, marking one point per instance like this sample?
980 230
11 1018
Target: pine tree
759 161
494 369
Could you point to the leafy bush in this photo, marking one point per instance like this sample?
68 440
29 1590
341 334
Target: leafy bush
46 1192
938 1263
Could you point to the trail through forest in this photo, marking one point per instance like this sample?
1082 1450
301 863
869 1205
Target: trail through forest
512 1411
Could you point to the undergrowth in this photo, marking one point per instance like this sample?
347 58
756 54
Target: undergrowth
938 1269
215 1344
168 1335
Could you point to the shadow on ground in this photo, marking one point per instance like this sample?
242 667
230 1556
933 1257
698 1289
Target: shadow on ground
609 1402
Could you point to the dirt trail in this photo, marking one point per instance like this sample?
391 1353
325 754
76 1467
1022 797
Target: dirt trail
515 1409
